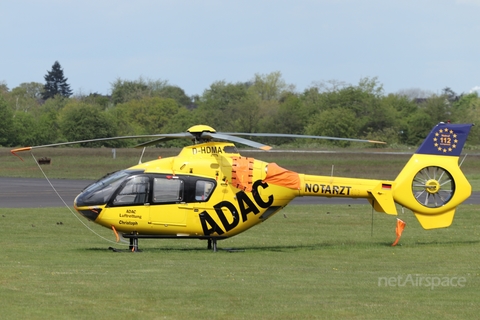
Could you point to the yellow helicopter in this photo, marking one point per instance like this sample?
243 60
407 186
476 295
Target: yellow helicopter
209 191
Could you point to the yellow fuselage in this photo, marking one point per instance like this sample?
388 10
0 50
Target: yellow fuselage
241 192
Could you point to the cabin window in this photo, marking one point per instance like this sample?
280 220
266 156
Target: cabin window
135 191
203 189
167 190
100 192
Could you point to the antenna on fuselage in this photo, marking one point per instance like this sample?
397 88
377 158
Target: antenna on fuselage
464 157
141 156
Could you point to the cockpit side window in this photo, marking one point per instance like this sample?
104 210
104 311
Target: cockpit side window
203 189
101 192
134 192
167 190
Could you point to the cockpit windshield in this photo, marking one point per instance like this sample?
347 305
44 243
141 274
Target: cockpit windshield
99 193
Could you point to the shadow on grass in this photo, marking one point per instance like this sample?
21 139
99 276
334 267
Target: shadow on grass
448 243
279 248
287 248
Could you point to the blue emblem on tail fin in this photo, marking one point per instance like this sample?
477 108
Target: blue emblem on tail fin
446 139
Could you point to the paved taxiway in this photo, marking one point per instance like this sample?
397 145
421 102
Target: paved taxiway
38 193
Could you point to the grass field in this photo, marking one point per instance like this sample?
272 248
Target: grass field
320 262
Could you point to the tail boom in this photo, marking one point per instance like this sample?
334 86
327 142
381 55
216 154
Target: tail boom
377 192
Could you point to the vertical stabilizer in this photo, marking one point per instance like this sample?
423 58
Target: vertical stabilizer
432 184
445 139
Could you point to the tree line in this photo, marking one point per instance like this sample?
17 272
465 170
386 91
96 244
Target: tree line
37 114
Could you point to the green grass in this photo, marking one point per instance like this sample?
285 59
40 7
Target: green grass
320 262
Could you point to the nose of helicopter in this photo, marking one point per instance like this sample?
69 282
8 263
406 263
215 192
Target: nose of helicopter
89 213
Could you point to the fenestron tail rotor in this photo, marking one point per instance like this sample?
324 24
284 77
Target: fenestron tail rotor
433 186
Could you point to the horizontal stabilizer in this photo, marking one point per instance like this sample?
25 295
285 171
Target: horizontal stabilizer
383 199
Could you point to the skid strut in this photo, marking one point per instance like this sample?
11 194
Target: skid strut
214 242
133 244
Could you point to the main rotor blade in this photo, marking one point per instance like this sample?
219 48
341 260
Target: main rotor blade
223 136
287 135
163 136
151 142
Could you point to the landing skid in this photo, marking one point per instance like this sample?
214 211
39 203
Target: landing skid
133 237
133 247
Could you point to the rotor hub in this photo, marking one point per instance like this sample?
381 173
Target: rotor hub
200 128
432 186
197 132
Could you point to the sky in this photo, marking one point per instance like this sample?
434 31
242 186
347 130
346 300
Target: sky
405 44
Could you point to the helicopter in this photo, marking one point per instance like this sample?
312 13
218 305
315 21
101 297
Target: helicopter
209 191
